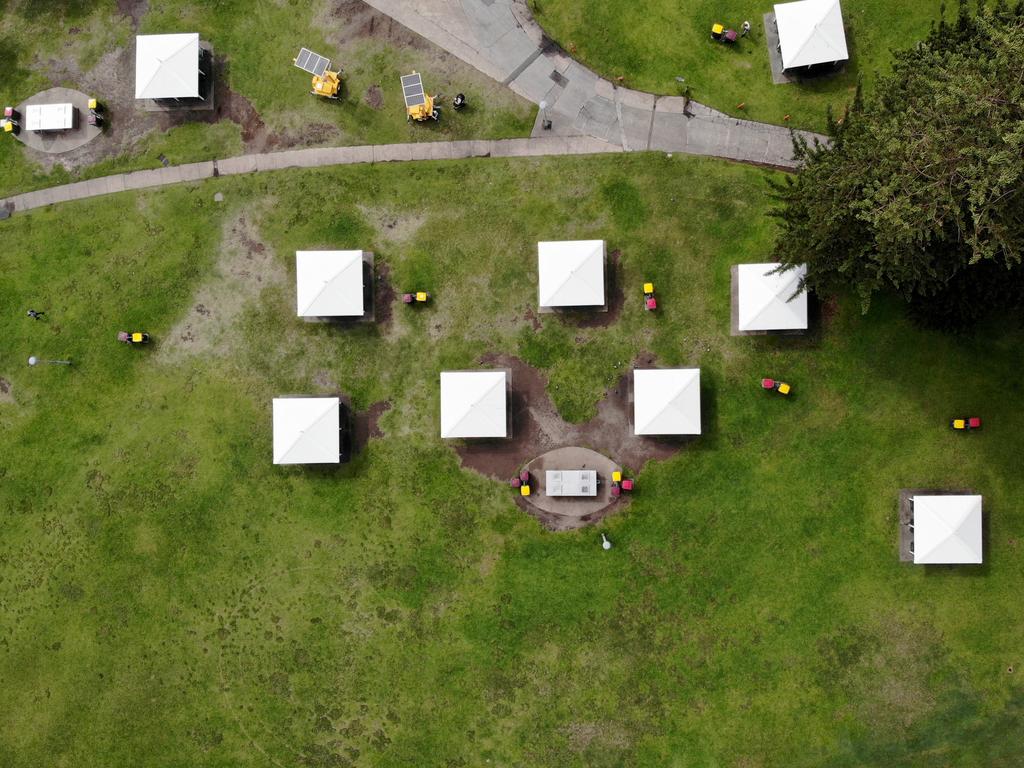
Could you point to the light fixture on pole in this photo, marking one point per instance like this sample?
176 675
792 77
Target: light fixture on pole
34 361
544 122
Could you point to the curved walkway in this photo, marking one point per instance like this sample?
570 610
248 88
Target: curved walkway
502 40
308 158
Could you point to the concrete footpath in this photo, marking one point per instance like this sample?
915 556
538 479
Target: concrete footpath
308 158
501 39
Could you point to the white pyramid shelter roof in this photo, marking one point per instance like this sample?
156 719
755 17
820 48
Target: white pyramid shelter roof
306 430
666 401
766 301
571 273
167 66
329 283
947 529
811 32
474 404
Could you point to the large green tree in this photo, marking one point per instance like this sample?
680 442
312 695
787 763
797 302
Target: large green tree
921 190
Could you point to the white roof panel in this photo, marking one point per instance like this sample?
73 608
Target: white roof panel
666 401
947 529
811 32
167 66
329 283
474 404
571 273
307 430
766 300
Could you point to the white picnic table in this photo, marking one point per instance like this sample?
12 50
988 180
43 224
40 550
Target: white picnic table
571 482
49 117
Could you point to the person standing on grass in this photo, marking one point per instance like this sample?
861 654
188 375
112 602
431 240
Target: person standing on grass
746 29
35 315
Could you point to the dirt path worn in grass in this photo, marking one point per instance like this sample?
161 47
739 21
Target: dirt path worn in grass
244 268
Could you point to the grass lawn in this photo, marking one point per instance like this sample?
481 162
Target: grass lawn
170 598
89 45
651 42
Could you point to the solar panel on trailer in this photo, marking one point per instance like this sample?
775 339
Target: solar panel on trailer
311 62
412 87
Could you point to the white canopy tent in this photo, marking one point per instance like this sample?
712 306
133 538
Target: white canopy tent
766 301
947 529
167 66
307 430
811 32
666 401
474 404
329 283
571 273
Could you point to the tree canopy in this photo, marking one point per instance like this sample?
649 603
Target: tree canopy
921 190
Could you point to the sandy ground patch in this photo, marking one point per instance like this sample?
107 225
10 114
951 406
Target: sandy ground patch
393 226
245 267
582 735
325 382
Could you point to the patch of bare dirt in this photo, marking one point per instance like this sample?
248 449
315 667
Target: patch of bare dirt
538 428
353 20
383 296
366 424
133 9
395 227
325 382
245 267
374 97
829 308
582 735
532 318
5 391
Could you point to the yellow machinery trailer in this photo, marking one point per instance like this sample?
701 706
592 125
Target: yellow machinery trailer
419 105
326 82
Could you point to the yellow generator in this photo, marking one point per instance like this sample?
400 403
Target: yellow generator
419 105
326 82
